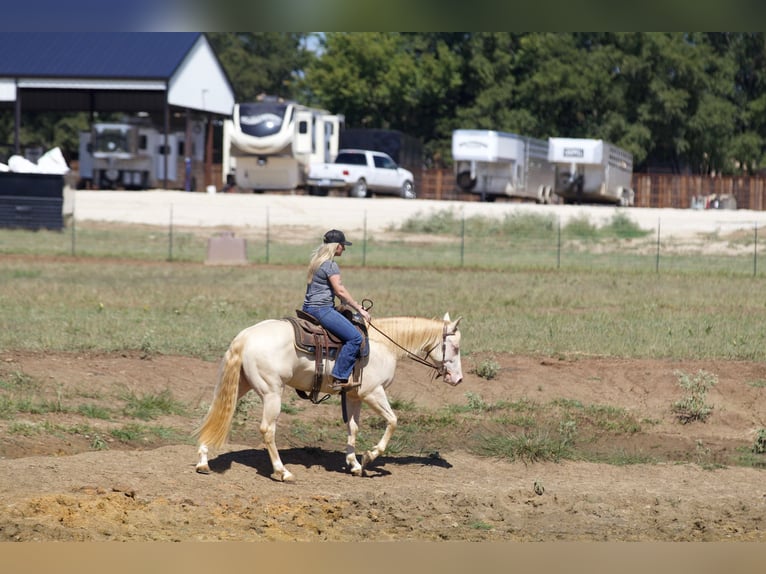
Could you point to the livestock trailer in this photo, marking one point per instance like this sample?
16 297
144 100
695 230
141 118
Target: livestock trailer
499 164
591 171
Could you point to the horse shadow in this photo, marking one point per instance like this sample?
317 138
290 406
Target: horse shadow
308 457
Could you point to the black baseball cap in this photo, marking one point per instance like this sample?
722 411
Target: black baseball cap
336 236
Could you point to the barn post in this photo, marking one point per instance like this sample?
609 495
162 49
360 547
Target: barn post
17 121
167 130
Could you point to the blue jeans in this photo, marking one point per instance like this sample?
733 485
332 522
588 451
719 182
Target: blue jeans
342 328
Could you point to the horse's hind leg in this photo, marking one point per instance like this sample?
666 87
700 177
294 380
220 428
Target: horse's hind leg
272 404
378 401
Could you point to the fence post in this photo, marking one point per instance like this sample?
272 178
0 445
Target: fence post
755 249
170 235
558 245
364 241
268 234
74 219
462 240
657 262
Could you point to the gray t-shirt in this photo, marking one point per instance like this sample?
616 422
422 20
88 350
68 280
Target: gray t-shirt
319 292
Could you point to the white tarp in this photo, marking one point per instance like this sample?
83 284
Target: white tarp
52 162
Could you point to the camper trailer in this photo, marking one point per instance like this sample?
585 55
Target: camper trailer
269 144
591 171
498 164
134 156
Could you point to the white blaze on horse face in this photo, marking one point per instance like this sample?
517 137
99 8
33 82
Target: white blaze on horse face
453 370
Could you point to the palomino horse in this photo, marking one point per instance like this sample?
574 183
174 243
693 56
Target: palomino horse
263 358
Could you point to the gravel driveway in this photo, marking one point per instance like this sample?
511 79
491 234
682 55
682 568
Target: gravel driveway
349 214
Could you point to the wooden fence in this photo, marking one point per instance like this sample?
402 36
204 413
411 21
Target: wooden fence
652 190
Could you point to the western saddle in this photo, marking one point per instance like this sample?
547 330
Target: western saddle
312 338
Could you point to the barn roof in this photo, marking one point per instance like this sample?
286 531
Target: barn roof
115 71
96 55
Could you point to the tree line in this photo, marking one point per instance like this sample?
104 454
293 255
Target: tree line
682 102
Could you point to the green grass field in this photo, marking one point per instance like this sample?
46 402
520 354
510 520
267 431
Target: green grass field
194 309
132 297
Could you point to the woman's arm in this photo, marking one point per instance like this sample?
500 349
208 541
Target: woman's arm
340 290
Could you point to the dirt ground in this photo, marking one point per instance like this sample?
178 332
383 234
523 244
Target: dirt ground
56 487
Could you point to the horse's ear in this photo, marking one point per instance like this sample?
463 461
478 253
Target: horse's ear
455 324
446 316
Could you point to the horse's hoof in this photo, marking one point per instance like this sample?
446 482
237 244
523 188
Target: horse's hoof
284 476
203 469
356 471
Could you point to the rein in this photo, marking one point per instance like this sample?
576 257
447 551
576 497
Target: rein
438 368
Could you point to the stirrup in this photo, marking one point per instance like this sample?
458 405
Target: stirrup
343 384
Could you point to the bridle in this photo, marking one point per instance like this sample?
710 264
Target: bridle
439 368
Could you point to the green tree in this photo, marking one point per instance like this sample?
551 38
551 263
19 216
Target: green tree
263 62
386 80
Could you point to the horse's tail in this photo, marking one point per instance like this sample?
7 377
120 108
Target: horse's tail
214 429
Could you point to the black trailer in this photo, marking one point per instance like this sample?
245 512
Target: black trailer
31 200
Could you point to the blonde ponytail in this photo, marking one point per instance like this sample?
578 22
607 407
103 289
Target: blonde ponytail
325 252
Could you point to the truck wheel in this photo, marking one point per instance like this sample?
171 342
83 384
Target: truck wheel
408 190
359 189
465 181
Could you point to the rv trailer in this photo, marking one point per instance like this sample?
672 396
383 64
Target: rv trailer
269 144
498 164
591 171
132 155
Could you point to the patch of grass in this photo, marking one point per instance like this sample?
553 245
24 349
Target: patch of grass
247 407
99 443
623 227
758 383
693 407
533 446
580 227
151 405
611 419
135 432
18 381
474 404
759 446
488 369
94 412
402 405
25 428
289 409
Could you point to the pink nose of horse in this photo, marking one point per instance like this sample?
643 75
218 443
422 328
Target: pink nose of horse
453 380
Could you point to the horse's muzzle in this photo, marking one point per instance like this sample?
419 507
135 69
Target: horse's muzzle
450 380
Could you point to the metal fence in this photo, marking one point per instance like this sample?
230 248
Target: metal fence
539 244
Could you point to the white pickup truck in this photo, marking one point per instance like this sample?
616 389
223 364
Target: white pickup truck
361 173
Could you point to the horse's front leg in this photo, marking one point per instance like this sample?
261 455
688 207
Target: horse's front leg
353 412
378 401
272 404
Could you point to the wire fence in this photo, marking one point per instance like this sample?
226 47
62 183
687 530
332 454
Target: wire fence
537 244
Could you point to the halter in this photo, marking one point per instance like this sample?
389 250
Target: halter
423 361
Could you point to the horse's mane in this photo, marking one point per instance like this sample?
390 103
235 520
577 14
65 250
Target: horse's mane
411 333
